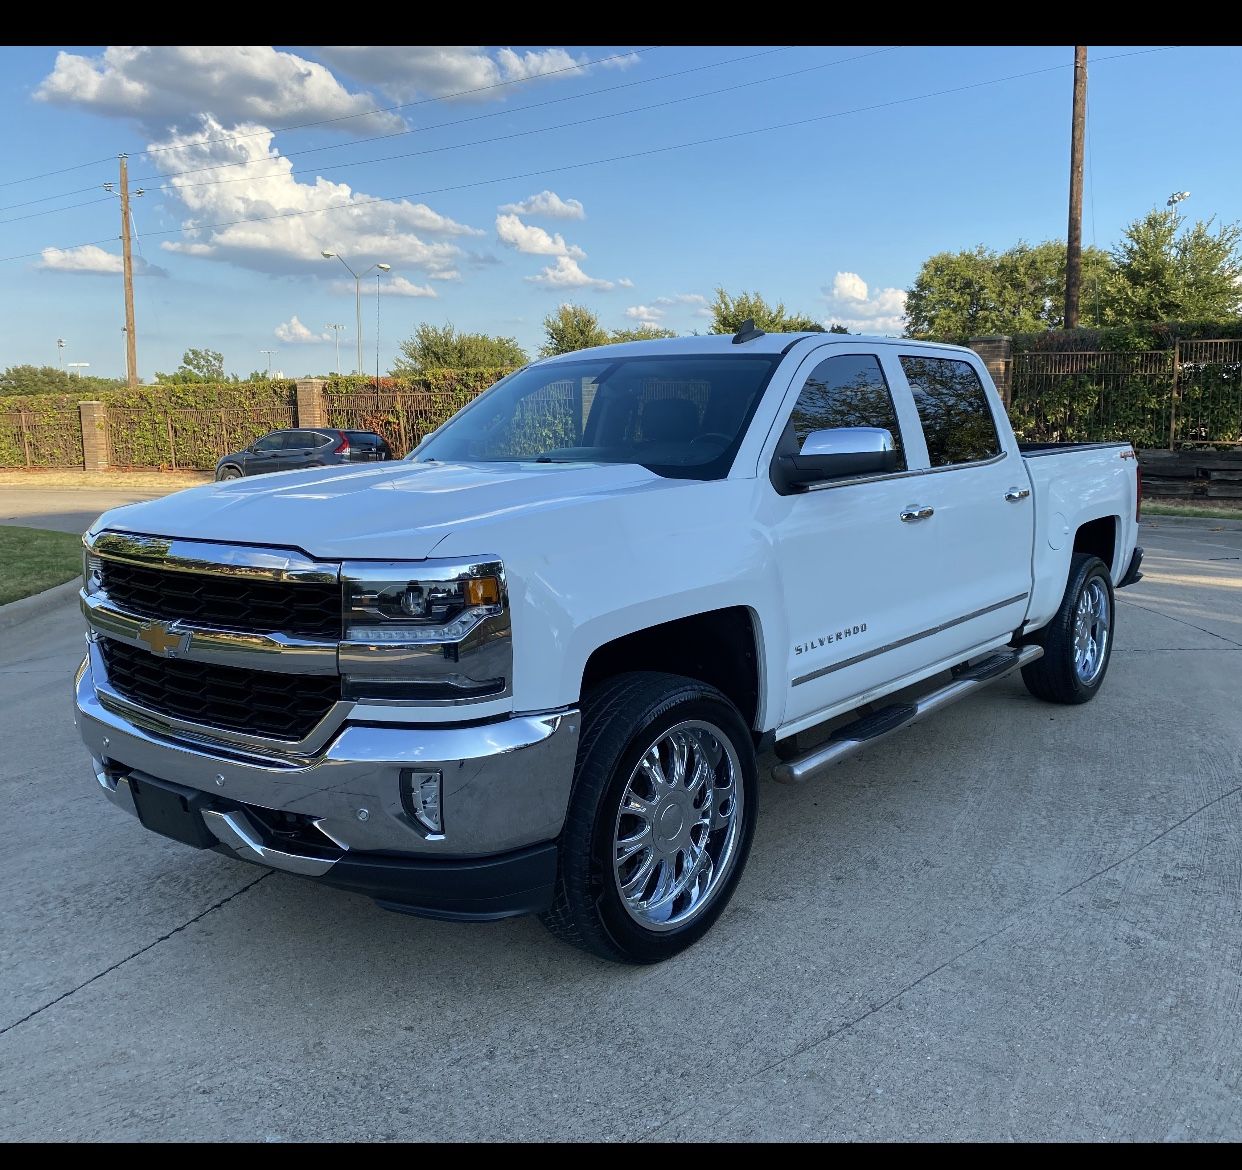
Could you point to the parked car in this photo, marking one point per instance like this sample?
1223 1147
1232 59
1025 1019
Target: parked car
305 447
532 669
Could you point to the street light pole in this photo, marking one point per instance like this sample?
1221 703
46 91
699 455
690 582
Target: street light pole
270 353
336 329
60 355
357 294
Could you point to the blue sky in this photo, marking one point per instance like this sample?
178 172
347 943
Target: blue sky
833 216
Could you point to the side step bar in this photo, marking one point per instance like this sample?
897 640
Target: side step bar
882 723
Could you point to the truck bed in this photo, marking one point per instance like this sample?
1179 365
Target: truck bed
1033 450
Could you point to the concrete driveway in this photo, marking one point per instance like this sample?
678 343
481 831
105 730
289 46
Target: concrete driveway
1014 921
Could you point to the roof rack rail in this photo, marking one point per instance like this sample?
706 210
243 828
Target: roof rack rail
748 332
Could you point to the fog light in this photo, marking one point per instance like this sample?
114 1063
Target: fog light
420 794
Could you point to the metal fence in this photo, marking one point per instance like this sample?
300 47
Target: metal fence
1189 395
186 438
41 439
402 417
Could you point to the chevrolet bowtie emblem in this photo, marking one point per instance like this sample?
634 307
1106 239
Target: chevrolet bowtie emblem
161 641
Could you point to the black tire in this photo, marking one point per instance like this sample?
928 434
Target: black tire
229 472
621 719
1054 677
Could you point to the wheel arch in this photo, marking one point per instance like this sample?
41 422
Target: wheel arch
720 647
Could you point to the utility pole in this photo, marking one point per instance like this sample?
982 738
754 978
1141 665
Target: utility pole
131 342
1073 252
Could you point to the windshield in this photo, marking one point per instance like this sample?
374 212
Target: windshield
682 416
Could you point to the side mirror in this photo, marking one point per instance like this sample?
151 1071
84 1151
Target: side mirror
836 454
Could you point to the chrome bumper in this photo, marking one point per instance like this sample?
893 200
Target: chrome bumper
506 783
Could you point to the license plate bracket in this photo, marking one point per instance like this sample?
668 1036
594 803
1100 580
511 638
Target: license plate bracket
172 810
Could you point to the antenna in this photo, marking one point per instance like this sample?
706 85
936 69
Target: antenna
748 332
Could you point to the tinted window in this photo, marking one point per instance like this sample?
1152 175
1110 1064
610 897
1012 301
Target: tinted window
364 438
847 391
681 415
954 409
272 442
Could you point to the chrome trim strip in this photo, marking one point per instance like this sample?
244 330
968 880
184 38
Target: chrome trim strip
237 831
836 483
280 752
275 652
200 556
823 670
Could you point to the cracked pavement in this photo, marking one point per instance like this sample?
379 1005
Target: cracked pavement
1013 921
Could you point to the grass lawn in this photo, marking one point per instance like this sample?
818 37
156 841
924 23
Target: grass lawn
34 559
1206 511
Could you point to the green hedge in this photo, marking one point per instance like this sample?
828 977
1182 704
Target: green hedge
1122 338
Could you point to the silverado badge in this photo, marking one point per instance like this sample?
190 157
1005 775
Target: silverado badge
161 641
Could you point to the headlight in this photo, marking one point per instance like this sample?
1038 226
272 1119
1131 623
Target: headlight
92 572
425 631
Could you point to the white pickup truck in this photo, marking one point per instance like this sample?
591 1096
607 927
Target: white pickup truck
530 668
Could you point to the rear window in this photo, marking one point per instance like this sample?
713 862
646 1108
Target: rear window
954 410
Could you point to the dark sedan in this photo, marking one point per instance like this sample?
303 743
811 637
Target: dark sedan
291 450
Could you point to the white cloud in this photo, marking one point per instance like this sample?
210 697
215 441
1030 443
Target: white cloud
644 313
163 85
281 237
398 286
682 299
625 282
534 241
293 332
406 71
566 273
547 204
90 260
854 305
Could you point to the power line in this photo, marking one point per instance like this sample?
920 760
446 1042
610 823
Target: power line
344 117
474 118
519 133
614 158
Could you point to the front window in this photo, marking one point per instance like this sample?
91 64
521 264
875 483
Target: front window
679 416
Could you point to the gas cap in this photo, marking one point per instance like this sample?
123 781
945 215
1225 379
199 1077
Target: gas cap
1058 530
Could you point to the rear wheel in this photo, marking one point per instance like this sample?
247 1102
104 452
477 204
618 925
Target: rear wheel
1078 642
661 819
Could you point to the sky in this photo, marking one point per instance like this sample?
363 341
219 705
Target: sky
499 182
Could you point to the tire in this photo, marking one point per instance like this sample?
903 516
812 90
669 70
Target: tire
229 472
623 721
1070 671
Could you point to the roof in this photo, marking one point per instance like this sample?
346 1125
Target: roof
707 343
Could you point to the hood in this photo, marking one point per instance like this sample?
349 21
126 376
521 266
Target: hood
391 511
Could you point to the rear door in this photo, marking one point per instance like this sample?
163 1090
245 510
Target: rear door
975 577
303 449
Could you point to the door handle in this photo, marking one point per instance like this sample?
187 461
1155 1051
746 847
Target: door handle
915 512
1014 494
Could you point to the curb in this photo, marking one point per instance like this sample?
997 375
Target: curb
26 608
1225 522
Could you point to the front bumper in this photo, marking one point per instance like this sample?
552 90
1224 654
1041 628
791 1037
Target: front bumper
505 792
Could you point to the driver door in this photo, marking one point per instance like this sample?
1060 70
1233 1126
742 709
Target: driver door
265 454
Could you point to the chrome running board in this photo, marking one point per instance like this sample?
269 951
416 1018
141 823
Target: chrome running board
881 724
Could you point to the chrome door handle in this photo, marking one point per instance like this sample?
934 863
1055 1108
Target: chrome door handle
1014 494
915 512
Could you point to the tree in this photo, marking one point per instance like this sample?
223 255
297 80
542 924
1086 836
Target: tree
441 347
29 379
837 329
642 333
570 328
730 313
198 365
972 293
1166 271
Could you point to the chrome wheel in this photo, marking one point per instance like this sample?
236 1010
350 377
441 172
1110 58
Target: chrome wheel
678 827
1092 626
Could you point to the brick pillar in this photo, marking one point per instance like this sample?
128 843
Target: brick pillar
96 452
312 410
997 354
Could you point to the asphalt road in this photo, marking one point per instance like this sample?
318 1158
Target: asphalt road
63 509
1013 921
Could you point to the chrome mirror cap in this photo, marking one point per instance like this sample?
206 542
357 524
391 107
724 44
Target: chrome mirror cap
849 441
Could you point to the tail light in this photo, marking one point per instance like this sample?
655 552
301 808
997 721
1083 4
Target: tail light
342 448
1138 504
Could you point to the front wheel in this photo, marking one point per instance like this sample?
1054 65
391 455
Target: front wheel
661 819
226 473
1078 642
